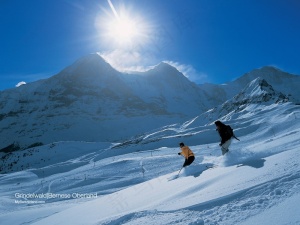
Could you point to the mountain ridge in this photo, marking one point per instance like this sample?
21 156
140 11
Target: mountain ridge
281 81
89 100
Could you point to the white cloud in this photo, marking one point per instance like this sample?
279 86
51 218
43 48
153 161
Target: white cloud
124 61
190 72
20 83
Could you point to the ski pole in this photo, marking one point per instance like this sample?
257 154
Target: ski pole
180 168
179 171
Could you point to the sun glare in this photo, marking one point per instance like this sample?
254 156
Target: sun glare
122 27
123 30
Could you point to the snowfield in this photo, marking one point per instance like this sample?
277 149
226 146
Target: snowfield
135 182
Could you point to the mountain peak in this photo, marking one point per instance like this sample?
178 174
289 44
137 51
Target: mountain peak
259 84
270 69
271 74
266 72
164 67
258 91
92 62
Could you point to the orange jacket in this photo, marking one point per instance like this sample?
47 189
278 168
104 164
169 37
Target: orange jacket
186 152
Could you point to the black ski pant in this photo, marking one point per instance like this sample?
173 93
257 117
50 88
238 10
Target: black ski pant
188 161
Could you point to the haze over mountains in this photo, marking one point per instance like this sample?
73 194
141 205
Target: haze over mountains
90 101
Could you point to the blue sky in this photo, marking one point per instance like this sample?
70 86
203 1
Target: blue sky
212 41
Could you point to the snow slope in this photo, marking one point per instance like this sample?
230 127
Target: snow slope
110 143
135 182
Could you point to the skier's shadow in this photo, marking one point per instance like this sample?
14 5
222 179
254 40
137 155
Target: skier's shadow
198 169
255 163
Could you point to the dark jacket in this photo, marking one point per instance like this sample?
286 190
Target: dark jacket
225 133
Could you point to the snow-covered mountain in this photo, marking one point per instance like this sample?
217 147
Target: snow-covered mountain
90 100
257 92
280 81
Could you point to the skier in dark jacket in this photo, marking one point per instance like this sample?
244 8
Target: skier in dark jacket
226 134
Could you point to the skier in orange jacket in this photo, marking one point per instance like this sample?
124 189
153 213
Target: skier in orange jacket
187 153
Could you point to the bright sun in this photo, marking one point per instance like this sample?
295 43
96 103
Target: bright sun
123 28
